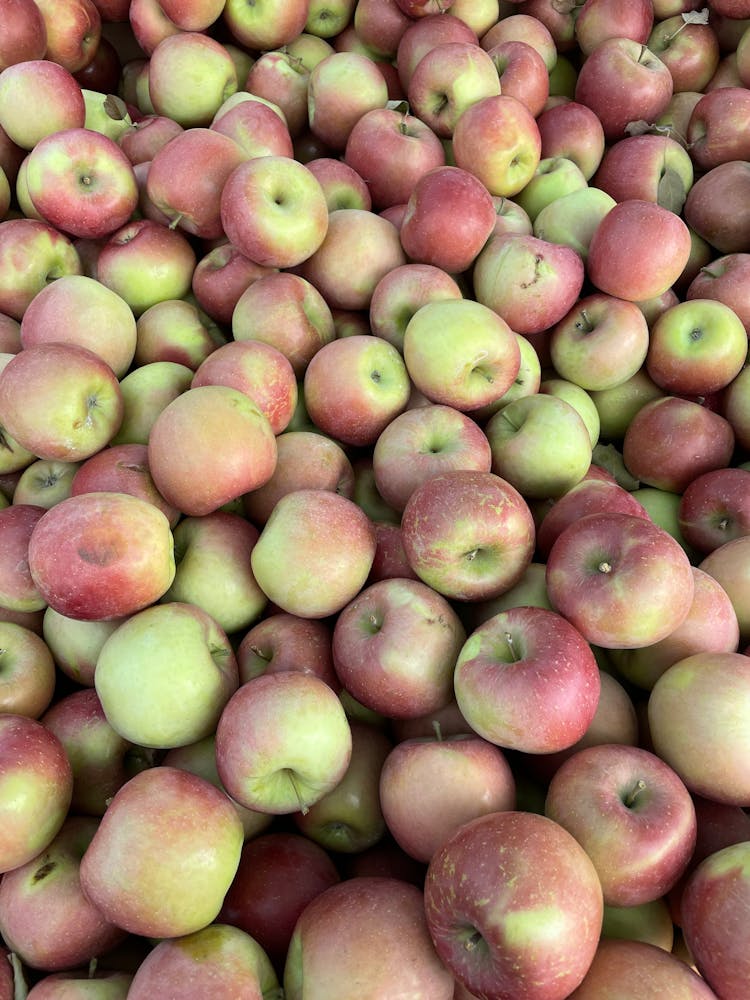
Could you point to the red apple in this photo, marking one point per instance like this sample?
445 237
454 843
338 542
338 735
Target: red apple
73 31
717 206
633 970
24 33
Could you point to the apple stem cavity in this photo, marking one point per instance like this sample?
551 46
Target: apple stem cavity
584 323
472 940
303 808
635 791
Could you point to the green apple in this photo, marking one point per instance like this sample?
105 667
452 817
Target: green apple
572 218
555 177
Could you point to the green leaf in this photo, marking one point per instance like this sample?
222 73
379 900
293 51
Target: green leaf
696 16
671 191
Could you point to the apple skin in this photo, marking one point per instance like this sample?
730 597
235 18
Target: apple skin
278 875
540 935
44 484
735 408
371 635
696 348
164 854
527 680
460 353
342 88
638 166
208 416
637 580
189 76
522 27
453 550
101 555
634 970
717 128
627 68
75 643
30 252
381 920
422 442
281 78
35 789
44 916
69 985
600 19
655 440
498 141
216 958
258 127
144 138
342 186
272 26
708 692
711 626
633 816
39 97
220 278
640 231
81 182
316 536
283 741
27 672
430 787
401 292
725 279
523 73
18 590
171 647
714 508
24 33
727 564
146 390
715 902
540 281
572 130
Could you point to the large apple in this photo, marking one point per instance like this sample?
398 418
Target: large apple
514 906
164 854
633 816
527 680
38 97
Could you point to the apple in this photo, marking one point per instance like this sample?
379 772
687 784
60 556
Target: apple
283 741
31 254
633 816
176 330
540 933
314 553
497 140
726 564
274 211
429 787
190 75
573 131
640 231
281 642
540 445
655 447
722 279
429 230
43 484
24 33
258 126
146 390
713 508
18 591
278 875
696 348
373 631
708 693
145 263
455 551
78 406
714 899
146 136
27 671
500 704
164 854
35 789
647 167
633 970
287 312
73 31
648 922
401 292
342 186
380 25
370 931
209 416
629 69
219 279
391 149
269 25
716 206
354 387
75 643
44 916
621 580
531 283
79 309
460 353
342 88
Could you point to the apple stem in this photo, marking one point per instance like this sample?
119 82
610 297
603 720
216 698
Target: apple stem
20 989
438 730
92 967
634 793
303 808
723 524
176 221
472 941
511 646
584 323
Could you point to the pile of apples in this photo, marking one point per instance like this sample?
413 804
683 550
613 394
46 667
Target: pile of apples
374 499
